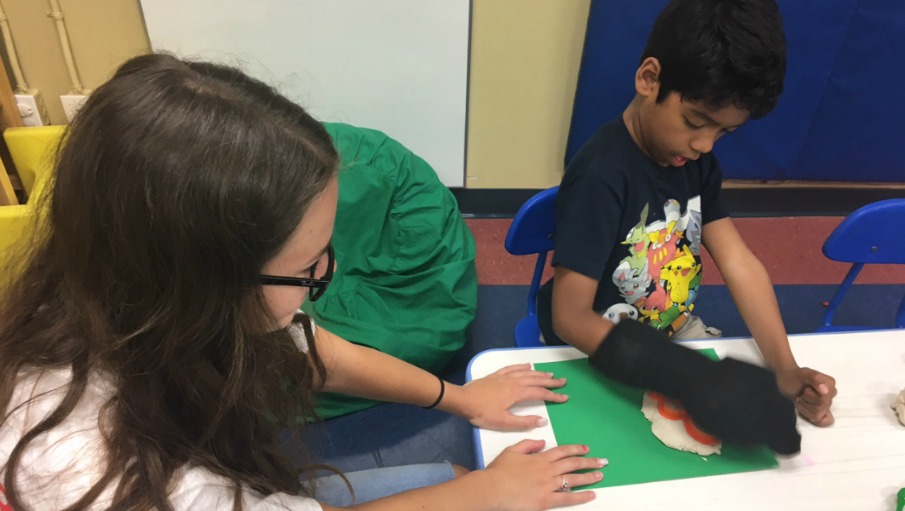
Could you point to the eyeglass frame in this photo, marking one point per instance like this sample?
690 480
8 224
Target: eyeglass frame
316 287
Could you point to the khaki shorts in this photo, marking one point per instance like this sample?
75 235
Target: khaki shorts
694 328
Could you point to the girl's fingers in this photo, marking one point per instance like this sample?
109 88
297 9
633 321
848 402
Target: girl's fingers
527 446
564 486
542 380
574 481
563 499
522 371
553 397
513 368
530 375
520 422
532 421
565 451
539 394
574 464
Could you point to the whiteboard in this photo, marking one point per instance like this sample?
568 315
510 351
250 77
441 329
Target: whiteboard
398 66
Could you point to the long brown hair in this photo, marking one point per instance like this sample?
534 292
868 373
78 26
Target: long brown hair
175 184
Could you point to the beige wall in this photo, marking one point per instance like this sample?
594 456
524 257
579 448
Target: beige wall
103 34
525 56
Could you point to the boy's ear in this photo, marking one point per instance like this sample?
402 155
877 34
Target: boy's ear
647 78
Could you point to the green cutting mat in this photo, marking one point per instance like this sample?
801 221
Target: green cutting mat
606 415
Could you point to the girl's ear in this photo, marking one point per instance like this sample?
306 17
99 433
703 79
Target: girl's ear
647 78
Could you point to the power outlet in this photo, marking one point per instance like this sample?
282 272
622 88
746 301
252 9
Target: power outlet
71 104
31 109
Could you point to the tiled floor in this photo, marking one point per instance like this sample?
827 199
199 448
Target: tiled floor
789 247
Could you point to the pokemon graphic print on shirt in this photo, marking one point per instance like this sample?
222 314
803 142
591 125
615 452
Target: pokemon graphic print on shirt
660 275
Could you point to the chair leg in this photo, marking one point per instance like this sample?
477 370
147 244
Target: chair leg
535 283
840 293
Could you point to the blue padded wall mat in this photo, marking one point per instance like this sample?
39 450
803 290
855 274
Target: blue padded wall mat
841 116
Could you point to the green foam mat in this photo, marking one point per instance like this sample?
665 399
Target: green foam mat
606 416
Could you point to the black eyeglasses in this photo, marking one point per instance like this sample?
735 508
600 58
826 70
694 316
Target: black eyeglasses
316 287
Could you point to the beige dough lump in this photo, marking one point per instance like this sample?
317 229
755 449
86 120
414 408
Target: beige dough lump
899 406
672 432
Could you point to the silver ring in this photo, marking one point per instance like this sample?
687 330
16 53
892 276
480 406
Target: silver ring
564 487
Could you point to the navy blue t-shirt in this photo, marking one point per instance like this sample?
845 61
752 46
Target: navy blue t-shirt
635 226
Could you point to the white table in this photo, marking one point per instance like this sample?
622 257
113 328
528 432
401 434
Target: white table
858 464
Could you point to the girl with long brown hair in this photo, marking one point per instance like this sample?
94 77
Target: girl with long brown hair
151 350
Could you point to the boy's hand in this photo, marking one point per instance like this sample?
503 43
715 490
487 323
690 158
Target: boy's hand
732 400
812 391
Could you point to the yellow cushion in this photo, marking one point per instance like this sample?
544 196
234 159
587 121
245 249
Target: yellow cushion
32 151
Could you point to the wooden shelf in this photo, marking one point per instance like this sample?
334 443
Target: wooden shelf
9 117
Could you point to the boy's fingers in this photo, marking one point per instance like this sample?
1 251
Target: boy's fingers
815 396
817 418
826 420
810 396
816 411
808 411
821 383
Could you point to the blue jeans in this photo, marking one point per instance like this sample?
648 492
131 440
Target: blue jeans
375 483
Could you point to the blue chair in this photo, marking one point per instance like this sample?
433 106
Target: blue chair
532 232
870 235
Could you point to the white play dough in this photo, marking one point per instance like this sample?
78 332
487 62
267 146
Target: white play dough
899 406
672 432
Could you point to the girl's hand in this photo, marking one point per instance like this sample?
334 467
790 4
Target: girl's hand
485 402
525 479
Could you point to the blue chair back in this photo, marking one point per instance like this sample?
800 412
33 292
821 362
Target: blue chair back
870 235
532 232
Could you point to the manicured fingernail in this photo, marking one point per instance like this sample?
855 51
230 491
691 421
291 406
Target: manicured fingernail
603 462
563 396
598 475
542 422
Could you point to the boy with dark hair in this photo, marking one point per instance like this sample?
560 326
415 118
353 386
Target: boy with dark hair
638 201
